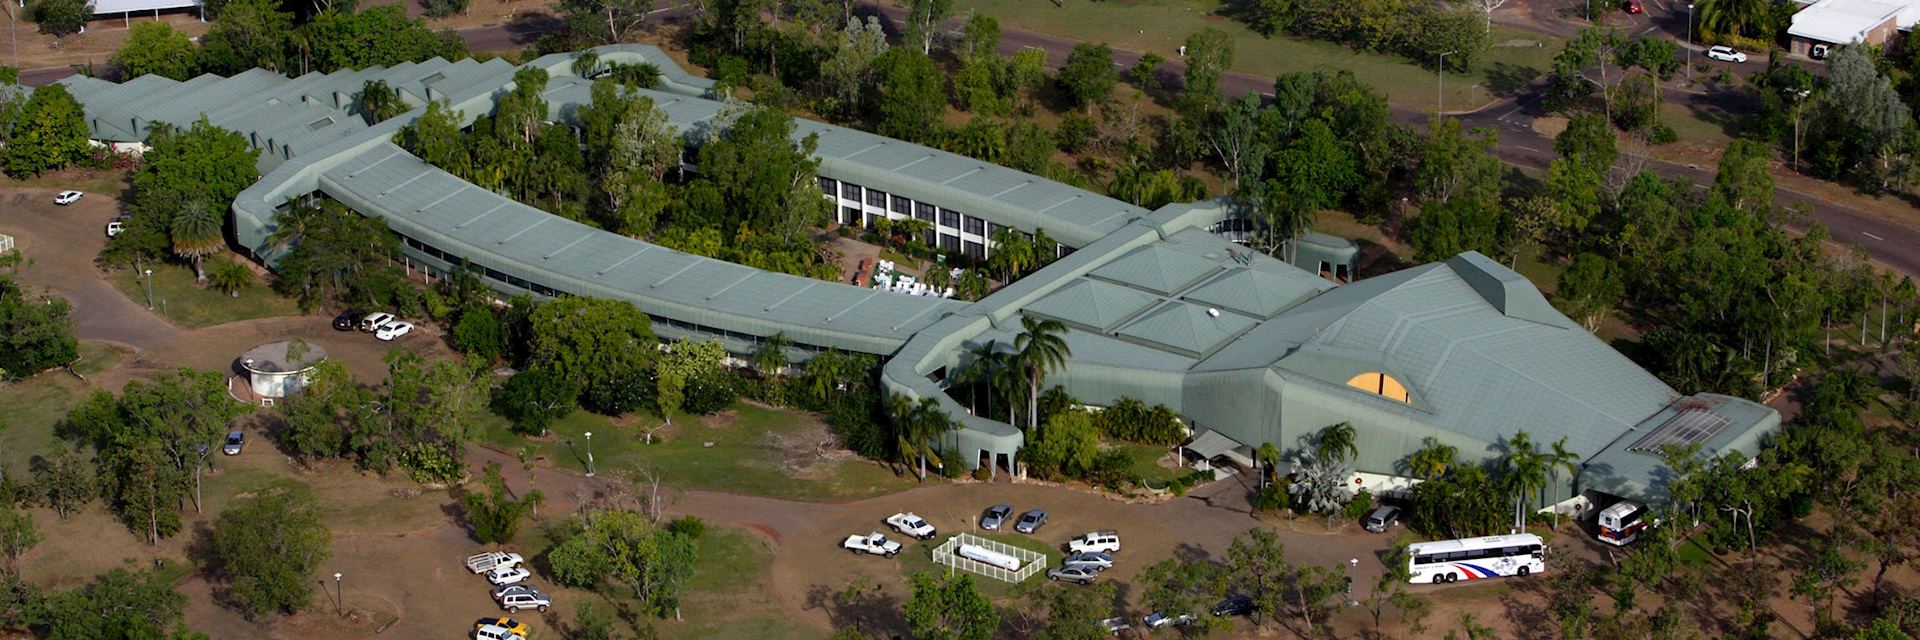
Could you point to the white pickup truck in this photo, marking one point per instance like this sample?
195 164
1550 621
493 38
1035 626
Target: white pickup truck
910 525
1103 541
484 562
875 543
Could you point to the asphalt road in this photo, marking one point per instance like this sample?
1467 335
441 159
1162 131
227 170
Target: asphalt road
1889 243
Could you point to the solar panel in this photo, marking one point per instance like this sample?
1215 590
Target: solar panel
1691 426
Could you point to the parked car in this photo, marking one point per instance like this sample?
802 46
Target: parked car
1634 6
508 574
1160 619
1100 561
1113 626
491 632
65 198
911 525
1236 606
118 225
1080 574
875 543
1726 54
373 321
1031 521
501 592
347 320
393 331
995 516
235 440
484 562
1819 52
1383 518
514 602
512 626
1105 540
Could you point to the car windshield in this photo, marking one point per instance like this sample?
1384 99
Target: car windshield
234 438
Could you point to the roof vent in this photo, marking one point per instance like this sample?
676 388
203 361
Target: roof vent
1211 312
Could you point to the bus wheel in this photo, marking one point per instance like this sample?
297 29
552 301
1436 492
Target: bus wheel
1524 571
1439 578
1451 578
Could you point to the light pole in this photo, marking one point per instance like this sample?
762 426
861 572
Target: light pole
339 599
149 273
1353 566
1440 82
589 454
1689 43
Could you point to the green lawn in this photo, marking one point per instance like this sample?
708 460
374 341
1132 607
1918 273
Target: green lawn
186 303
36 404
1146 463
727 596
745 456
1516 58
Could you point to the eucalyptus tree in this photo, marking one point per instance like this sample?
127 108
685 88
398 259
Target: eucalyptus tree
1041 348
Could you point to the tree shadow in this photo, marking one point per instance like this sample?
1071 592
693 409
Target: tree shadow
1506 79
862 605
526 28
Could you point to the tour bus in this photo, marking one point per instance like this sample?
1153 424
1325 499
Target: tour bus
1446 561
1622 522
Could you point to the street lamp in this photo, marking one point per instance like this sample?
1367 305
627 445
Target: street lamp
149 273
1353 566
1690 43
339 596
589 454
1440 77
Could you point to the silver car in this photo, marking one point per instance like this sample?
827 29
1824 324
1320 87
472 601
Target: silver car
1031 521
1082 574
1098 561
995 516
235 440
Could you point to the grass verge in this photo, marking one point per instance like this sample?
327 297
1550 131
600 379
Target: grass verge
1515 59
37 404
186 303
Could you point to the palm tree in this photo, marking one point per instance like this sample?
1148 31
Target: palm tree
586 63
1041 348
1337 443
985 357
1557 458
824 372
1432 460
1045 248
1270 463
1012 254
230 277
1525 473
917 425
973 285
771 357
197 234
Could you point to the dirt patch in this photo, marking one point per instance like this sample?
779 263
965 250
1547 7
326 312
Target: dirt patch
1550 126
809 451
720 420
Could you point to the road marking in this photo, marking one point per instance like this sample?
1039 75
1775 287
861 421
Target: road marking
1872 236
1525 148
1509 113
1649 30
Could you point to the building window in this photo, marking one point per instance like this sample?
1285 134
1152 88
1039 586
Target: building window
993 229
902 205
850 191
976 250
828 186
975 226
926 212
849 215
1380 383
949 242
949 219
876 197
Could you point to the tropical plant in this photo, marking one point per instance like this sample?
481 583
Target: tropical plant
771 357
1041 348
918 426
229 276
197 234
1557 459
1432 460
1337 443
1524 473
1323 486
983 359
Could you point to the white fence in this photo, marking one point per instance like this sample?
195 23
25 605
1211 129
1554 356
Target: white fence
948 553
6 243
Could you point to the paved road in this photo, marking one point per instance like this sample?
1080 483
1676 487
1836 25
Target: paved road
61 243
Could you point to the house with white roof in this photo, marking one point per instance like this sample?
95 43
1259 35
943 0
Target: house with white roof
1839 22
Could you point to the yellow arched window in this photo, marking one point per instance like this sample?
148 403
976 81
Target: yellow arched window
1380 383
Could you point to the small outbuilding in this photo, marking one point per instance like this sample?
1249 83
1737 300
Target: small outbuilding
277 369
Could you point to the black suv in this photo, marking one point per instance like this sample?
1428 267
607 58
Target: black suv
1239 606
347 320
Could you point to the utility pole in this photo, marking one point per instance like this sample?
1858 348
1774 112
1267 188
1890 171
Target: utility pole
149 273
1440 78
1690 44
340 597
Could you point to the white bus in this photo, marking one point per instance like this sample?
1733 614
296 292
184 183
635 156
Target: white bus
1622 523
1446 561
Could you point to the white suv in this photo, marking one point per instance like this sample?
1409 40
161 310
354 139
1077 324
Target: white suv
513 602
1104 541
491 632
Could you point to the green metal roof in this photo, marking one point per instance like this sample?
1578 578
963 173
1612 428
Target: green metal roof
1258 293
1187 328
1158 269
1092 304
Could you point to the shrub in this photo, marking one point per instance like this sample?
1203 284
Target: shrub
1133 421
689 526
479 334
983 474
1662 134
1112 469
1358 507
619 393
427 463
710 393
1272 497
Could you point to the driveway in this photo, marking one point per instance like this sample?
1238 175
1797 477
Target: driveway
59 244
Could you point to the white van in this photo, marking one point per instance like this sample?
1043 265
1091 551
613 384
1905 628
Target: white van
373 321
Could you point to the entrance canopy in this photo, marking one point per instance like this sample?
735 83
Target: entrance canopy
103 7
1210 444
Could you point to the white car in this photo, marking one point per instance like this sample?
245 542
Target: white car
1726 54
1113 626
118 225
393 330
910 525
1095 542
514 602
492 632
875 543
484 562
508 574
373 321
65 198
